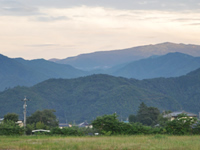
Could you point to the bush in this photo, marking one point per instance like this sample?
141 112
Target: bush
29 128
108 123
10 128
181 125
196 128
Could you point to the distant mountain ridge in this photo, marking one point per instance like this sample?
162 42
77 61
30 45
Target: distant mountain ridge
169 65
107 59
87 97
14 72
124 63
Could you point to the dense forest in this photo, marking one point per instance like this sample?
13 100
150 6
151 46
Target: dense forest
85 98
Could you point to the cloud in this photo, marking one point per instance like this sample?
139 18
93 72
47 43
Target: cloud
177 5
43 45
186 19
195 24
18 11
14 8
69 31
51 18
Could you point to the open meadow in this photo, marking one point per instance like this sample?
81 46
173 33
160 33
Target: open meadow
137 142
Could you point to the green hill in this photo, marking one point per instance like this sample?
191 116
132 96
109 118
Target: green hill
85 98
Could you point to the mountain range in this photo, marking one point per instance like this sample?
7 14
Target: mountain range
14 72
85 98
169 81
107 59
169 65
120 63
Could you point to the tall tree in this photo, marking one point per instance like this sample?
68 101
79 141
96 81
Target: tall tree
154 114
11 116
142 114
132 118
47 117
146 115
107 123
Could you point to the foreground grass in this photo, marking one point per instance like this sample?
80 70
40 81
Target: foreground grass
138 142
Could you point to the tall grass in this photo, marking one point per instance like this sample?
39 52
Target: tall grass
138 142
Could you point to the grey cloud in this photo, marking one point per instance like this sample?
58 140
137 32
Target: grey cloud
147 2
9 2
20 9
18 12
30 7
121 4
50 18
14 8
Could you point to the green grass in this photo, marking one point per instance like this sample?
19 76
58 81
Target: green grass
138 142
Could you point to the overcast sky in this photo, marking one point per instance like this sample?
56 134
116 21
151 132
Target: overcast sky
62 28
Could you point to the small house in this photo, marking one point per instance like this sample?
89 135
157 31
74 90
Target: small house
85 124
174 115
20 123
64 125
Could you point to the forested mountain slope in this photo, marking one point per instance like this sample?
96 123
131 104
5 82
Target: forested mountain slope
85 98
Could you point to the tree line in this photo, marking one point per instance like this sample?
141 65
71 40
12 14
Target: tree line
148 120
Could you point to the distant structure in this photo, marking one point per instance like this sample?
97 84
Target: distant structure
20 123
1 120
24 106
40 130
64 125
85 124
174 115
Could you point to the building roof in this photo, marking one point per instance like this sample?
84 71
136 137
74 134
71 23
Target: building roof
83 124
64 125
175 114
40 130
19 121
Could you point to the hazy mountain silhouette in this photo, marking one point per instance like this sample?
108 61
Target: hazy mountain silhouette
169 65
107 59
14 72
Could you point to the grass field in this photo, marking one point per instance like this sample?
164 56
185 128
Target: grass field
138 142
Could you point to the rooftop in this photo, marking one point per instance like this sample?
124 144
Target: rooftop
176 113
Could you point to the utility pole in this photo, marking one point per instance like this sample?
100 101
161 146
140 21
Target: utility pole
24 106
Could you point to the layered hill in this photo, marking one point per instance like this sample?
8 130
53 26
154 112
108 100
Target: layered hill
169 65
107 59
15 72
85 98
27 73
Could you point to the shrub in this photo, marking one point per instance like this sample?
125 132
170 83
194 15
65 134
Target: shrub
181 125
10 128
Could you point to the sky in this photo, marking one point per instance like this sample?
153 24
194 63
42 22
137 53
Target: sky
47 29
